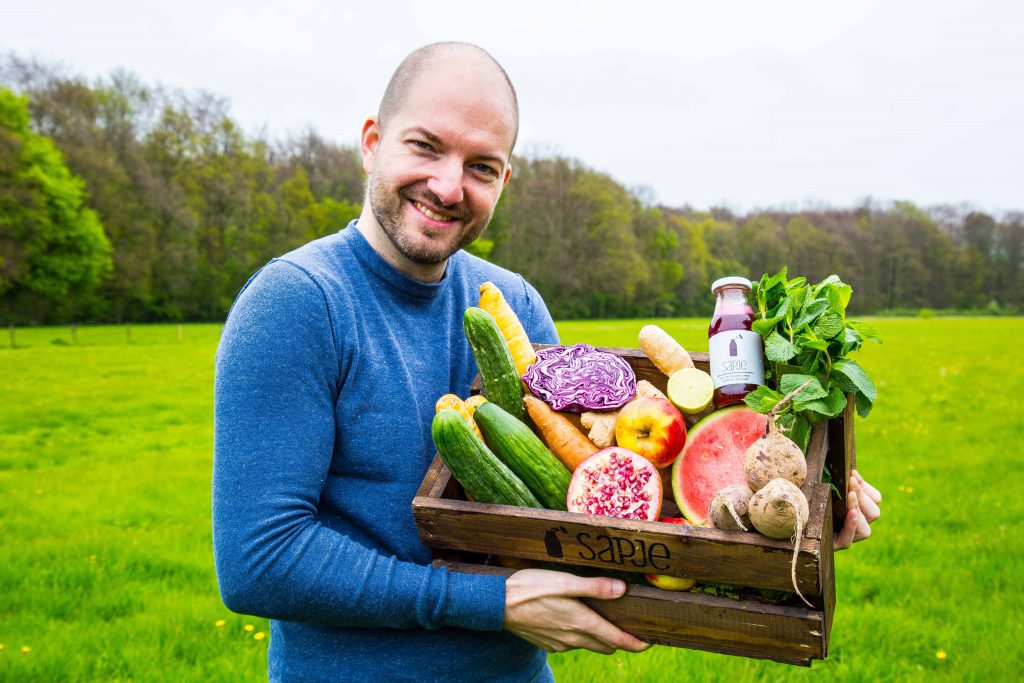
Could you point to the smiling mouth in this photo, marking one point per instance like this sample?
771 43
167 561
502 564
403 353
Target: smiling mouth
432 214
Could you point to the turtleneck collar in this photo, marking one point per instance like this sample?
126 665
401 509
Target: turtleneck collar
387 273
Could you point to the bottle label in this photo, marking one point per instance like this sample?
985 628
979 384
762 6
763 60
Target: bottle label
736 358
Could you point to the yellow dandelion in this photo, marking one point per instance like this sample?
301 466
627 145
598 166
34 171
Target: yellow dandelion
259 635
1 647
38 491
25 649
910 489
940 655
248 628
219 623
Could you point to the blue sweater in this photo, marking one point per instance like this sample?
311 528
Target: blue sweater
327 373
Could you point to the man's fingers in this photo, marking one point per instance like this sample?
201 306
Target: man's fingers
872 493
844 539
600 587
869 508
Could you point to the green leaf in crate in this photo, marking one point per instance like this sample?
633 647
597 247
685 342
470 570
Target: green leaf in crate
856 378
790 383
778 348
828 325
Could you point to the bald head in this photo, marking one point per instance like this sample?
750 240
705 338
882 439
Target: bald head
421 60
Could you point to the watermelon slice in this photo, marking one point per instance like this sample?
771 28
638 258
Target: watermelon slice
713 458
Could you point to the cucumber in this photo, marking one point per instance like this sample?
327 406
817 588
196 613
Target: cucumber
525 454
502 384
484 477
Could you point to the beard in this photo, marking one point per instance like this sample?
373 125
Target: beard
388 207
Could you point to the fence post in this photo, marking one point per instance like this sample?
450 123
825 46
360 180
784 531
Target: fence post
181 332
74 334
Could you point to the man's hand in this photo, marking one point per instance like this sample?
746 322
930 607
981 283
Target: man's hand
540 607
861 510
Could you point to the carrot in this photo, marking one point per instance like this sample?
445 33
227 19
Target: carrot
665 352
561 436
461 407
473 402
493 301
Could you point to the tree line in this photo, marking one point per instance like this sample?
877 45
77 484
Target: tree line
121 201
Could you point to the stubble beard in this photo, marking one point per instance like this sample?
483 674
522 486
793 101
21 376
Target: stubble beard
388 208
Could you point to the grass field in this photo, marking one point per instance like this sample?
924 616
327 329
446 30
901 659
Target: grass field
105 558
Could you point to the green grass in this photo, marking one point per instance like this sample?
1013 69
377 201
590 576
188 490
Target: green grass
105 559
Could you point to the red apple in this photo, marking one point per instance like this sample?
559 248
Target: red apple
652 427
671 583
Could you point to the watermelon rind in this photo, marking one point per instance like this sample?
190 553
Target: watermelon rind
713 458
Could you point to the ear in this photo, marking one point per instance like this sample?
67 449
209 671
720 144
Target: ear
508 174
369 139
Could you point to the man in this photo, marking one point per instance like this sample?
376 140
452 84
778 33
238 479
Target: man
327 373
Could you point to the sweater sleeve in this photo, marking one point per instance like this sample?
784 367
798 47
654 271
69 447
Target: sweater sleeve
277 375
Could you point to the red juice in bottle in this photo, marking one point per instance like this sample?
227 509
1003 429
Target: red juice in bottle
736 351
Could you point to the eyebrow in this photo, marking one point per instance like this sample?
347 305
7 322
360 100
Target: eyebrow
438 141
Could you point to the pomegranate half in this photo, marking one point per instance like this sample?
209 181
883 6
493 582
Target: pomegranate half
616 482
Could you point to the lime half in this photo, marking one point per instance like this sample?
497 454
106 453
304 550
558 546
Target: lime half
690 390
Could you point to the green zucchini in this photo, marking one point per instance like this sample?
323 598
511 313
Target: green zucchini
525 454
502 384
484 477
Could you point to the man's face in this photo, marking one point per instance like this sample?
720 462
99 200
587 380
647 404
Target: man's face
437 167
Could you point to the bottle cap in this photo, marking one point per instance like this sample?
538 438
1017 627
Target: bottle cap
726 281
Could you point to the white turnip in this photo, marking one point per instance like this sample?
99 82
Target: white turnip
728 509
773 456
780 510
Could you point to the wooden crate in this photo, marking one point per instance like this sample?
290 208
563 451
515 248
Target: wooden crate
749 626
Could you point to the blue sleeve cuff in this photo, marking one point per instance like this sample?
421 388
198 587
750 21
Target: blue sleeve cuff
476 601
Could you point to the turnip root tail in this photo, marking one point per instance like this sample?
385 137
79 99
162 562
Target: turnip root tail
735 517
780 510
796 553
730 508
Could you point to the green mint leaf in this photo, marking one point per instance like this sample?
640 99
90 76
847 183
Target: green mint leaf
819 289
828 325
838 296
863 403
829 406
778 348
778 278
800 431
813 391
807 342
764 326
865 330
811 310
857 379
762 399
797 296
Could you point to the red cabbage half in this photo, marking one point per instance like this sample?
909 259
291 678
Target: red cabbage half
579 378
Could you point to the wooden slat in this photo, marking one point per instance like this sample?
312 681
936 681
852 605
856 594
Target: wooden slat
745 559
827 567
743 627
842 457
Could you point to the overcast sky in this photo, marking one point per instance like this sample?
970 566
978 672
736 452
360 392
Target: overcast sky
745 104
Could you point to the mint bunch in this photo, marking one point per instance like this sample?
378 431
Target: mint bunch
808 337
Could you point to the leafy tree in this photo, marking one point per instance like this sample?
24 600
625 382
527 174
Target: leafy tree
54 249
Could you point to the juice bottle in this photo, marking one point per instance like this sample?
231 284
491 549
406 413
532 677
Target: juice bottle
736 352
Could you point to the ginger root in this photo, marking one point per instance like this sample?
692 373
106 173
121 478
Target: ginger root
602 425
666 353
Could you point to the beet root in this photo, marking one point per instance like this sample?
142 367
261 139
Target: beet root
780 510
729 508
773 456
